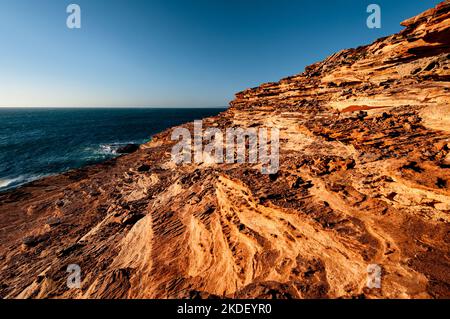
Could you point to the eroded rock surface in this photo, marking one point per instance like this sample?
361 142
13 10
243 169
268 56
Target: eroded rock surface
364 179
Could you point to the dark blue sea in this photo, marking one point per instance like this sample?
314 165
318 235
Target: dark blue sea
37 142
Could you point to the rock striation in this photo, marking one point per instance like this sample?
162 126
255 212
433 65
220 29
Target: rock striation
364 180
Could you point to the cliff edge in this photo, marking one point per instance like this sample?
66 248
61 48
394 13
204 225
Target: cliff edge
364 180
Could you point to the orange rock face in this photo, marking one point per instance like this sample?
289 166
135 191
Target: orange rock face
364 180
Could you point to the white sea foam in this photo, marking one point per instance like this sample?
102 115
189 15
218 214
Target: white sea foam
5 182
109 148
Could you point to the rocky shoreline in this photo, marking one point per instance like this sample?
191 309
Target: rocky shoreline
364 180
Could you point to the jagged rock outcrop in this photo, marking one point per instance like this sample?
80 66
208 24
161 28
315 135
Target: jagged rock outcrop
364 179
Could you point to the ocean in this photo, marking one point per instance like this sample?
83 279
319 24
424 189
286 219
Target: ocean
38 142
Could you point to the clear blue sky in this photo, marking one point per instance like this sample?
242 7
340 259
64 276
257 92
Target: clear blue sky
172 53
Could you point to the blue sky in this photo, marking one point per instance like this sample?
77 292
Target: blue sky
170 53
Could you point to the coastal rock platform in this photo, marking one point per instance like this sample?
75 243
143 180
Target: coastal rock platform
364 180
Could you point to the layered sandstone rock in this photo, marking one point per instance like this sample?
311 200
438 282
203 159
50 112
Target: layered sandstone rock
364 179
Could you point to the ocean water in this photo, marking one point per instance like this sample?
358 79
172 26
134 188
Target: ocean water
37 142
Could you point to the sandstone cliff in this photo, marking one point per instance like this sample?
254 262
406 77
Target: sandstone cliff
364 179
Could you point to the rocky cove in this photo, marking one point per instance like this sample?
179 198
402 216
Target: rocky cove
363 179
